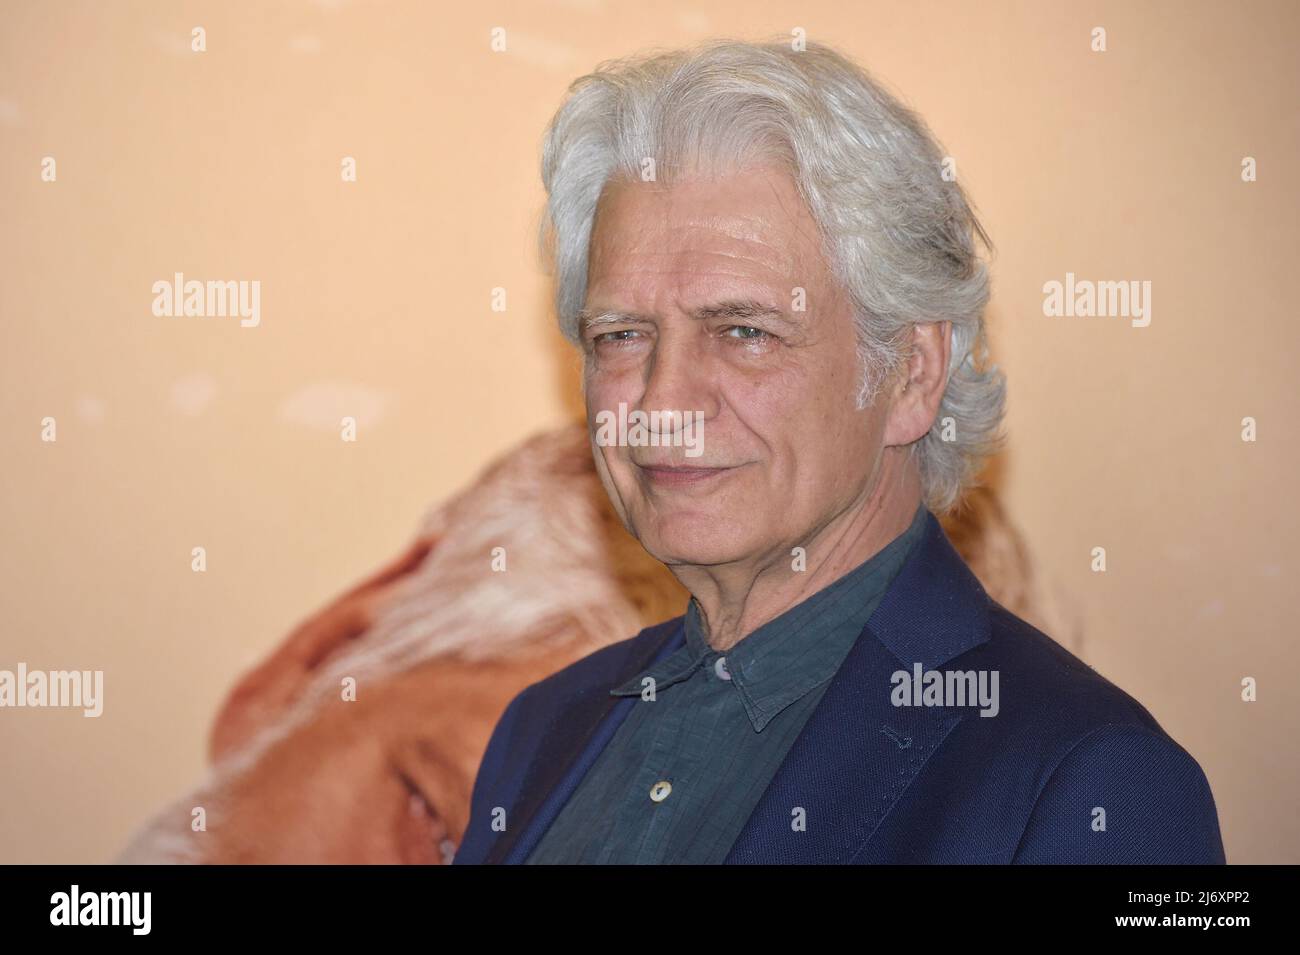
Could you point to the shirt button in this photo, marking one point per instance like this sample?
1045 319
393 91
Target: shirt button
720 668
660 790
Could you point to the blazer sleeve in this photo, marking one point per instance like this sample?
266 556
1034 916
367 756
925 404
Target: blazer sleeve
1124 795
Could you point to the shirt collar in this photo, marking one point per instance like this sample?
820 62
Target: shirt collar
794 653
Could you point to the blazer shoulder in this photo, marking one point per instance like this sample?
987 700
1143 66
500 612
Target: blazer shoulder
1043 683
1109 783
1124 795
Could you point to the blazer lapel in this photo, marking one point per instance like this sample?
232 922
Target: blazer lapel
582 729
858 752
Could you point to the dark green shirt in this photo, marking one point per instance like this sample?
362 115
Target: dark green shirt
686 768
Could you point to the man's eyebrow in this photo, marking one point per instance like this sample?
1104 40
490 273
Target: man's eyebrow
735 309
739 309
588 318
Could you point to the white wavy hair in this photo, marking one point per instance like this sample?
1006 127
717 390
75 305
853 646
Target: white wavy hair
896 234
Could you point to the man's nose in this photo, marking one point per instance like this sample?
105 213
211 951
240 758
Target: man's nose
679 378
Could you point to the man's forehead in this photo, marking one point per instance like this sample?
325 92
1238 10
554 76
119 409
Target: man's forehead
710 251
727 247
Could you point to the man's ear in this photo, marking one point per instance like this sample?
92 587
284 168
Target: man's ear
917 389
262 694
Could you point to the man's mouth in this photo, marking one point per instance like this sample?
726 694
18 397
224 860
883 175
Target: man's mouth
670 476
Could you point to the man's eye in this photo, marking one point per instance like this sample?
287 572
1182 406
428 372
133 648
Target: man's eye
747 333
622 335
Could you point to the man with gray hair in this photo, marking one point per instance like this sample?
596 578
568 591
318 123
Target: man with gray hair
760 239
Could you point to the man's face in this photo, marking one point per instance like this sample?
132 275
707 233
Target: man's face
693 305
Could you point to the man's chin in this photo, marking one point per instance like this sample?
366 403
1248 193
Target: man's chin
693 548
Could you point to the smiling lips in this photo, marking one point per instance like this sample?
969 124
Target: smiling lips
669 476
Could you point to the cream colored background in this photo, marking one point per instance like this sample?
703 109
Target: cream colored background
375 302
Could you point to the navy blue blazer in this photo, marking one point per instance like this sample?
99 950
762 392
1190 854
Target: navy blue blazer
1070 770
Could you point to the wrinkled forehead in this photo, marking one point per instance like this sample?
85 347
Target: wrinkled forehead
747 225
